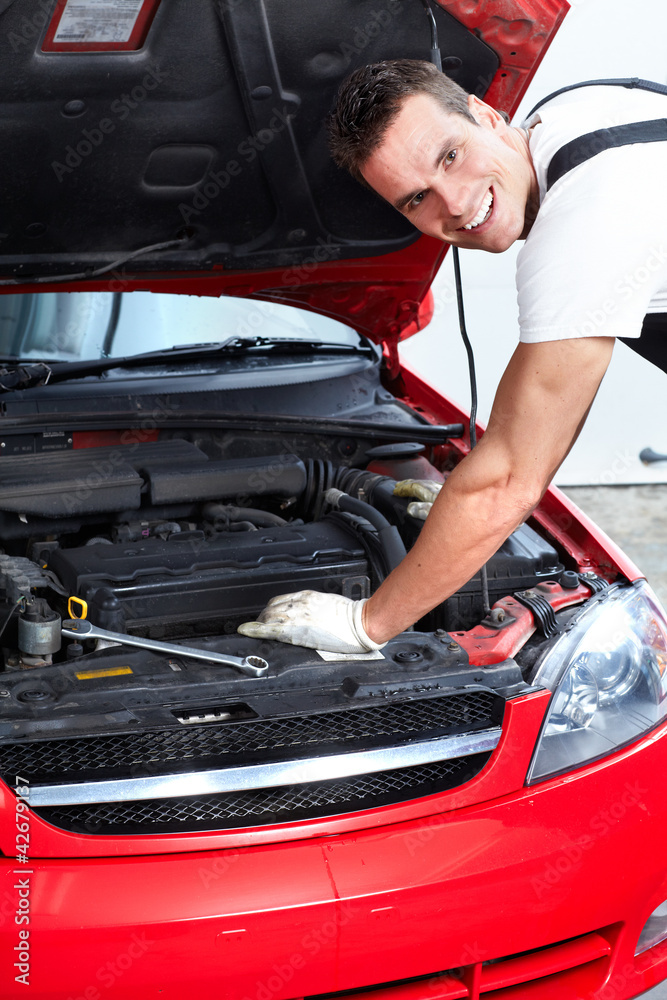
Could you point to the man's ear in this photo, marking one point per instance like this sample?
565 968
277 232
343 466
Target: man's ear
484 114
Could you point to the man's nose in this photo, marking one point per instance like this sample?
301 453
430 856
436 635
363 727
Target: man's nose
454 199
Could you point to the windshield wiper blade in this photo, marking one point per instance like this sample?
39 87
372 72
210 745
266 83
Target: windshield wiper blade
24 376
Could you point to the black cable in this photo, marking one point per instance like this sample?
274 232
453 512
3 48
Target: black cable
468 347
483 575
436 57
9 617
82 275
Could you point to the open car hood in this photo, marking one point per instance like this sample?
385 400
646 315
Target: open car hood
183 141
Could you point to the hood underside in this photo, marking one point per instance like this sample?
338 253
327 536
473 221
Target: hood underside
190 134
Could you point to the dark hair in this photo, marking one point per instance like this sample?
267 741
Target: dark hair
371 98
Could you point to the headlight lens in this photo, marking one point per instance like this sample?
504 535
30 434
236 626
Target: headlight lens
608 673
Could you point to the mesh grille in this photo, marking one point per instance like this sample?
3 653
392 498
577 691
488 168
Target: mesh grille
179 748
273 805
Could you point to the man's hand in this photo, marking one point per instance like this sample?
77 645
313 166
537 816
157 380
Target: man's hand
425 490
319 621
540 407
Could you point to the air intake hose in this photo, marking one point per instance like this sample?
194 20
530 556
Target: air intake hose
388 536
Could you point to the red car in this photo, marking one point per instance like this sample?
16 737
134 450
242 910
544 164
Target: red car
200 333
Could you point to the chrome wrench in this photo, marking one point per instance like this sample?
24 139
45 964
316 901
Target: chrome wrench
79 628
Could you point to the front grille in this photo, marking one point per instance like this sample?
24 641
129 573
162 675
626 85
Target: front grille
556 970
472 717
221 744
289 803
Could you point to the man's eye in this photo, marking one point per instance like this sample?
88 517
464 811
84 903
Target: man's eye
418 199
451 156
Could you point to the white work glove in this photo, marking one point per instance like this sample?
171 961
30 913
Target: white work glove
308 618
425 490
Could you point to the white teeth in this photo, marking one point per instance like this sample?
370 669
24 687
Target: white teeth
483 213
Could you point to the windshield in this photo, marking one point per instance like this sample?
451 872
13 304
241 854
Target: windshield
73 326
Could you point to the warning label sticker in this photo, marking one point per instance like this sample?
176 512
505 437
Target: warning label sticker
90 22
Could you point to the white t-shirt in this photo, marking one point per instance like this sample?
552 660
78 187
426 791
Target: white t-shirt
595 260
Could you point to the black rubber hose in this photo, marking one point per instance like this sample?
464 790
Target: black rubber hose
392 543
228 512
368 538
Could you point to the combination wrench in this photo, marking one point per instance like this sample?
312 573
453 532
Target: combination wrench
79 628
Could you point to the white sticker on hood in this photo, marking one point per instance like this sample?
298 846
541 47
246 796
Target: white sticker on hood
98 21
372 654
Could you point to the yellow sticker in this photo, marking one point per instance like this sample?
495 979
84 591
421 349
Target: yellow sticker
89 675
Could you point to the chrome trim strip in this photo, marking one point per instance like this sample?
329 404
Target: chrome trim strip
270 775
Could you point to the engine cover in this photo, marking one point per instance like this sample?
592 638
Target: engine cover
156 587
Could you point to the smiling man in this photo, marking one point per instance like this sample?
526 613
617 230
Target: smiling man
469 185
582 183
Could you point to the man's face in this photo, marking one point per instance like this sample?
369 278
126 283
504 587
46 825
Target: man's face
445 173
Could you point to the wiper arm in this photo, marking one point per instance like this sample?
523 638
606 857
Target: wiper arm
25 376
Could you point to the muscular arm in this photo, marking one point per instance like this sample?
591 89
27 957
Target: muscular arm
541 404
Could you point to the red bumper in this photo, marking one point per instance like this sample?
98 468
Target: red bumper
577 857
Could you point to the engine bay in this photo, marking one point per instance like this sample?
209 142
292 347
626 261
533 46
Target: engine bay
162 541
131 556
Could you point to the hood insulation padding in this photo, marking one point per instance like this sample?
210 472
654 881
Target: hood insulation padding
213 129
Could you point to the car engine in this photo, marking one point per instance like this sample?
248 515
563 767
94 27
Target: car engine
160 540
165 546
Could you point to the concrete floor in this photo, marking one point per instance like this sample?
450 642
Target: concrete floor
657 993
636 518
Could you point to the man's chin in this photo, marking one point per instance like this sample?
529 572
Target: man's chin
492 246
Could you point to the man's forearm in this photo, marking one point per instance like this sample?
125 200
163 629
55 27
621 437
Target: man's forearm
463 530
540 406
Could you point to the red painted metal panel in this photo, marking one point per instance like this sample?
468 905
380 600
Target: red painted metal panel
102 439
485 645
475 980
529 870
519 32
589 545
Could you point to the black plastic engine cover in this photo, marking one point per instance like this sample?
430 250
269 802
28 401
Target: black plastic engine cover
190 584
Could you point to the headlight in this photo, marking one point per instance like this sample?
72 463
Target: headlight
608 673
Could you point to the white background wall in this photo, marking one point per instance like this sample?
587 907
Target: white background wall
599 38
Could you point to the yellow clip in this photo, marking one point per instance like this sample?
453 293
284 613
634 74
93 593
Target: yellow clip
70 608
